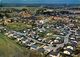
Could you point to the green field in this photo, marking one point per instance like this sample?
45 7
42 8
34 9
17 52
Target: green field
31 9
18 26
8 48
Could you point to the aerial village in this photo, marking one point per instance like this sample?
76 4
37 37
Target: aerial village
53 32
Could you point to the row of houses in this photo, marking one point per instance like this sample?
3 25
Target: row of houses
31 39
70 47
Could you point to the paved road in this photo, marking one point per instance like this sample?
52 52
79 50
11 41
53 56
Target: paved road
35 41
50 46
66 38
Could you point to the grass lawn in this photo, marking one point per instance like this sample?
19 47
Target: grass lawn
31 9
8 48
18 26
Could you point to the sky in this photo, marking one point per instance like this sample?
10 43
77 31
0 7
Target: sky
42 1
